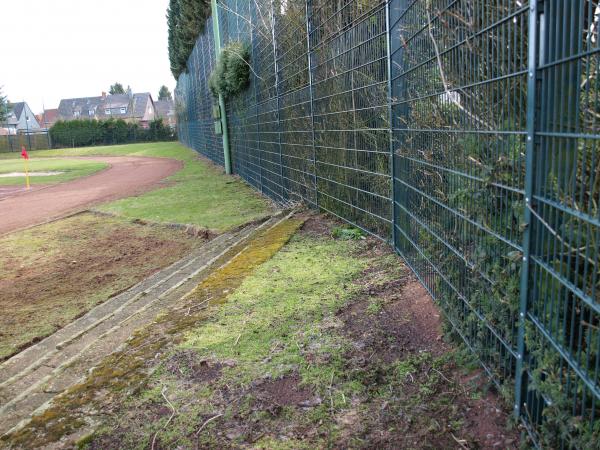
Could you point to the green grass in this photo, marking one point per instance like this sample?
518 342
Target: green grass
200 194
283 302
72 169
158 149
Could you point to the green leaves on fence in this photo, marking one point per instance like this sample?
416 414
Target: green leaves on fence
232 72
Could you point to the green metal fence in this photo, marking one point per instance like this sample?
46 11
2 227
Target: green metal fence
32 141
465 133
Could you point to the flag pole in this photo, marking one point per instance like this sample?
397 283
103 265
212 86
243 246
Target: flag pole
27 173
25 157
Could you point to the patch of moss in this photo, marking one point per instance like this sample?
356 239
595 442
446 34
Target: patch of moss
276 312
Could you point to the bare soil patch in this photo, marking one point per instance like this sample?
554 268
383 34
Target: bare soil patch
56 272
285 391
407 322
432 403
189 366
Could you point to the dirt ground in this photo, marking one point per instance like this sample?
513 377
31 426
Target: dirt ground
406 386
53 273
8 191
125 177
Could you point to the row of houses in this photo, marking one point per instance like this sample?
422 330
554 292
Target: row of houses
139 108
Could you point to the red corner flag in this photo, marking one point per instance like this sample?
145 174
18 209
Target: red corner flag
24 154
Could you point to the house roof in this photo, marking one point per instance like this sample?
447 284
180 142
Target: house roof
164 108
136 105
15 114
68 106
139 103
116 101
49 116
17 108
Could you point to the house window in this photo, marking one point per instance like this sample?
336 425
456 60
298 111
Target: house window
76 113
107 112
123 110
91 112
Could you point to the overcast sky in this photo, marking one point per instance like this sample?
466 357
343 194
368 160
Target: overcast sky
57 49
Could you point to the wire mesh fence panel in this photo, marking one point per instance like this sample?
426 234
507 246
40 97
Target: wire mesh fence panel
563 337
295 105
496 192
322 134
459 78
348 42
239 21
32 141
465 133
194 101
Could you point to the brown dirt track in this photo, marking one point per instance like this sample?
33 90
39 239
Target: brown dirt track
126 176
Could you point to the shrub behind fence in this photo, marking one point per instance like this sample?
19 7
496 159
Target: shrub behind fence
464 133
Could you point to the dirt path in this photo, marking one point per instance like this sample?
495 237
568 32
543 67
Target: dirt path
126 176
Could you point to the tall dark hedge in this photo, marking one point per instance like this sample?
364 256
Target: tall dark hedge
185 21
84 133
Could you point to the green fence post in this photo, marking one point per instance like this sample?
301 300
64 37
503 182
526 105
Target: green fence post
277 79
391 119
309 11
520 384
217 36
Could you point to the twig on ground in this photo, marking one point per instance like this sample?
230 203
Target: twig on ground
461 442
193 306
174 411
330 391
442 375
206 423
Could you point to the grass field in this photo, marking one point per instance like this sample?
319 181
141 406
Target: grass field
198 194
72 169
